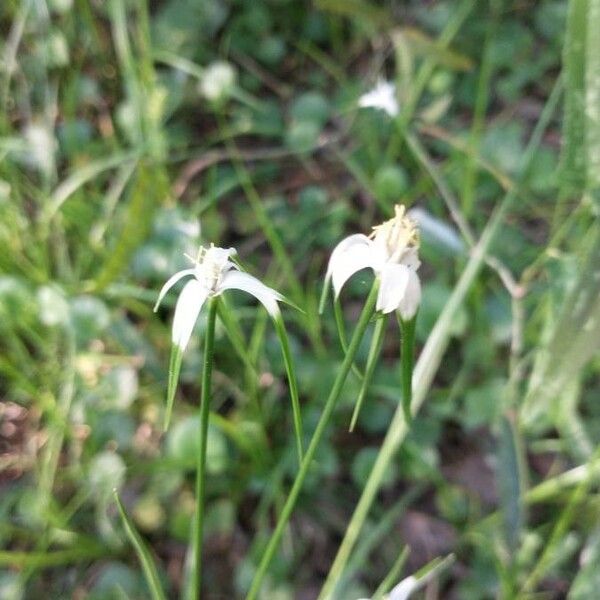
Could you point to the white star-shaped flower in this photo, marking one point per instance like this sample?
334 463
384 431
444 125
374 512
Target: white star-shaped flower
391 251
212 274
382 97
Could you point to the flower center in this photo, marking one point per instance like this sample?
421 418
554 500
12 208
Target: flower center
397 235
210 265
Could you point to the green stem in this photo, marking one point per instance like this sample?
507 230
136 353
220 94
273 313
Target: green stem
431 356
196 579
341 329
314 443
292 382
407 358
374 351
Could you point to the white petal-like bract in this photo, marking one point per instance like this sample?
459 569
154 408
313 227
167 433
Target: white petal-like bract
170 283
405 588
393 285
238 280
412 297
188 307
351 255
392 251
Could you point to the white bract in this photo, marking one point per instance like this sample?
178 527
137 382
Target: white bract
382 97
392 252
403 590
212 274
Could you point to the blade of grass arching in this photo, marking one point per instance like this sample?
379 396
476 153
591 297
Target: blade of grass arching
481 104
80 177
392 576
292 382
149 188
372 538
372 358
341 330
431 357
111 199
273 238
511 485
143 553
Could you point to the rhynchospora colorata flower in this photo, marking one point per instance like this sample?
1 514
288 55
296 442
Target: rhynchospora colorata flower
213 273
391 251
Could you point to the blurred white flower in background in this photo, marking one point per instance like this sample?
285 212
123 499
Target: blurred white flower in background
218 81
392 252
213 273
382 97
42 147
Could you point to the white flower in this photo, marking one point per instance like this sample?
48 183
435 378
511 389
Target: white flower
392 252
217 81
382 97
212 274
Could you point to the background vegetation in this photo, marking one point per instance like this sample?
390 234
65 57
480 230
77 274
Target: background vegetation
131 131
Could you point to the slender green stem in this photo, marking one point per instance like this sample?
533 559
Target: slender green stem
143 553
292 382
374 351
392 576
407 359
196 580
430 358
314 443
341 329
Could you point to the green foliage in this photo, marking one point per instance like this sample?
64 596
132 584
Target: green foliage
118 154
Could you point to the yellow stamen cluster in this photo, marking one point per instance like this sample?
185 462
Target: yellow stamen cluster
398 233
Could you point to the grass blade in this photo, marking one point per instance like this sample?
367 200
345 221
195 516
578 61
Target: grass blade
291 375
143 553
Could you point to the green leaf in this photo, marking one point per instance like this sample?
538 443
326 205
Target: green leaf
174 369
574 157
143 553
291 375
581 63
148 189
